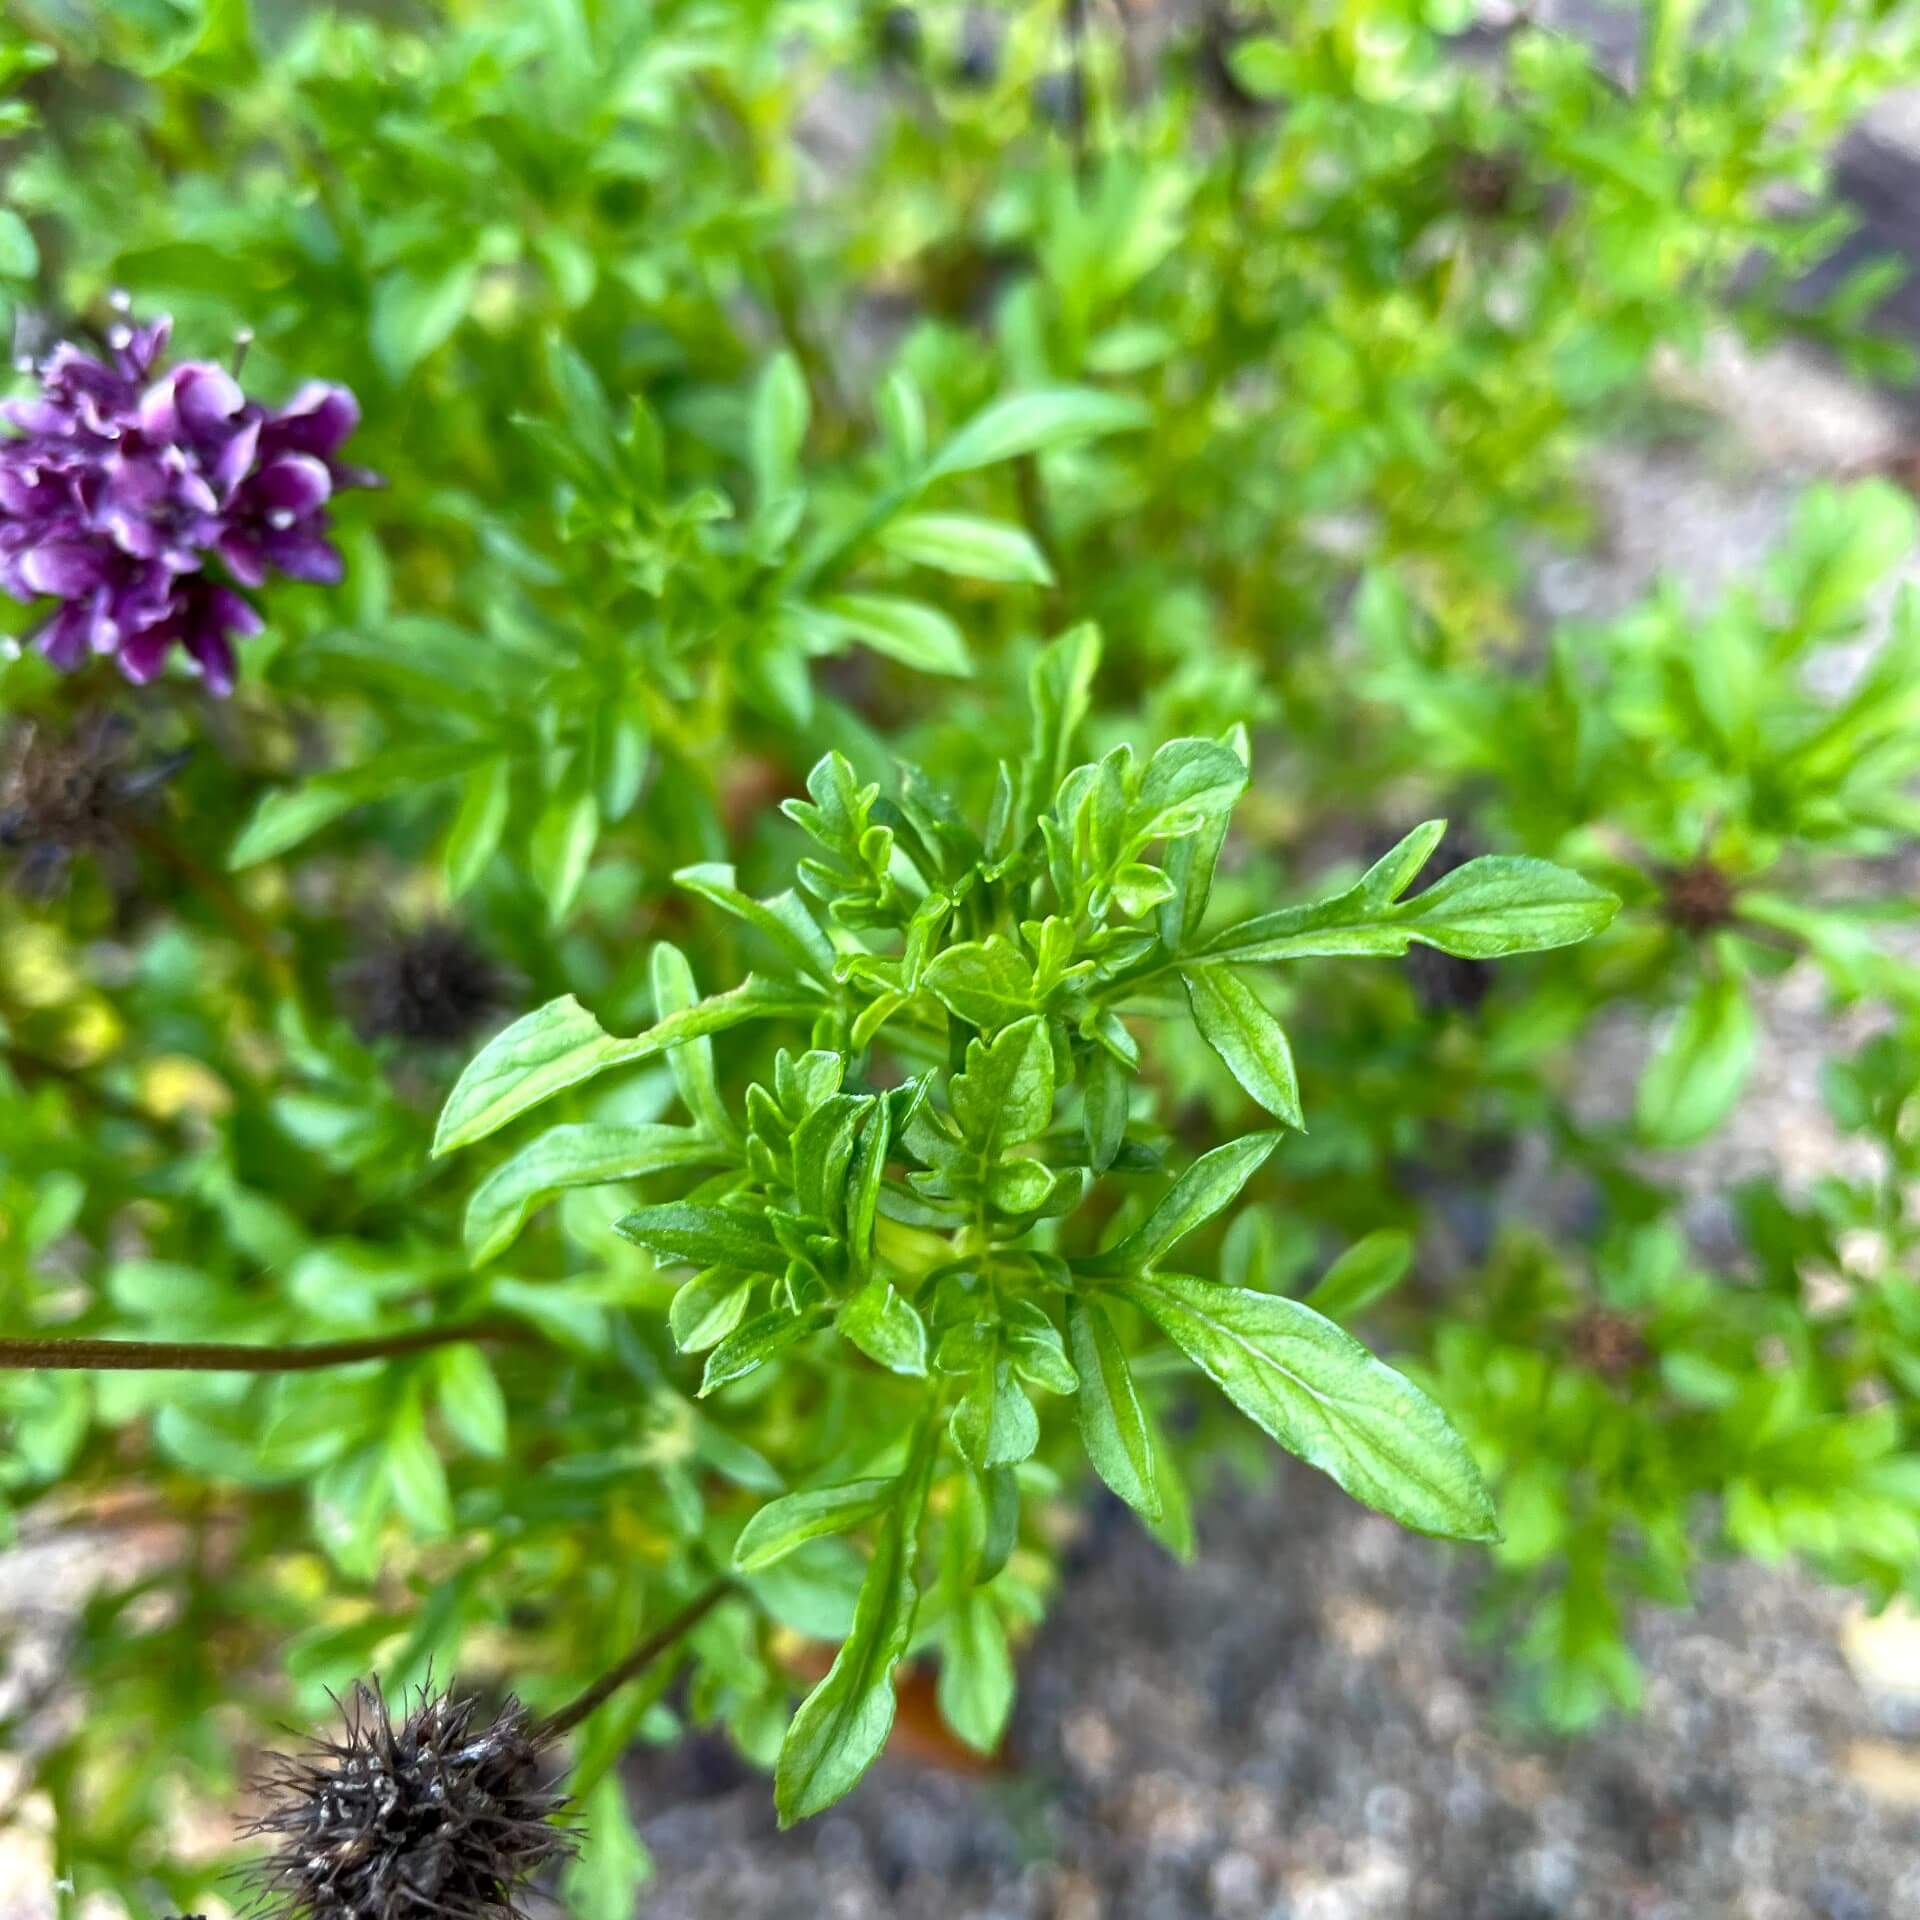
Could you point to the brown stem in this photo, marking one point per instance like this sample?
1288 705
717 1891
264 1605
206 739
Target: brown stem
219 1356
28 1065
565 1719
241 920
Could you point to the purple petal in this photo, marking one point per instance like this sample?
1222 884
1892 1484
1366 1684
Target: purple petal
316 420
143 654
64 638
240 547
64 568
303 553
234 460
295 484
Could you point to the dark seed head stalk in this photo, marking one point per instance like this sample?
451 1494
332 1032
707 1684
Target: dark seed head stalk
444 1813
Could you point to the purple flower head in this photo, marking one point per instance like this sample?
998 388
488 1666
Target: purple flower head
140 499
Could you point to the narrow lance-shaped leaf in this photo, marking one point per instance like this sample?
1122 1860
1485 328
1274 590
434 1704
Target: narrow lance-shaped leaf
844 1722
1112 1427
1211 1183
1323 1396
706 1236
561 1044
585 1155
794 1519
1248 1039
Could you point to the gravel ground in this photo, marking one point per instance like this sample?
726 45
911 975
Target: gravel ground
1299 1727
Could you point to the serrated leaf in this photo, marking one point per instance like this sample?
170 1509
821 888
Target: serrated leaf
1005 1096
987 983
1248 1039
1323 1396
886 1328
1496 905
791 1521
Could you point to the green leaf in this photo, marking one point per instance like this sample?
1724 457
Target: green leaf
585 1155
1005 1095
1035 422
562 844
601 1881
414 1472
843 1723
1187 784
1112 1427
763 1338
284 819
692 1061
777 429
886 1328
1692 1081
1211 1183
703 1312
995 1424
976 1673
794 1519
1191 861
973 548
19 256
470 1399
559 1045
783 920
1059 690
1368 1269
916 635
1247 1038
1323 1396
987 983
477 824
1106 1096
1499 904
706 1236
415 310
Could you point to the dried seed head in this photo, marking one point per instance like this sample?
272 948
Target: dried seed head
62 795
1608 1343
1485 185
1696 898
430 987
444 1815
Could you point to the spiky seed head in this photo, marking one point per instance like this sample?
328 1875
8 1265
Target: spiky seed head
432 986
444 1814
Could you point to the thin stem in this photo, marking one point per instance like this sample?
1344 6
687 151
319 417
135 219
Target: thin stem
28 1065
565 1719
246 926
57 1354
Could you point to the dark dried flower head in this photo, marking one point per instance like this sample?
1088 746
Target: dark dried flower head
445 1815
1608 1343
139 501
433 987
1485 185
72 793
1697 898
